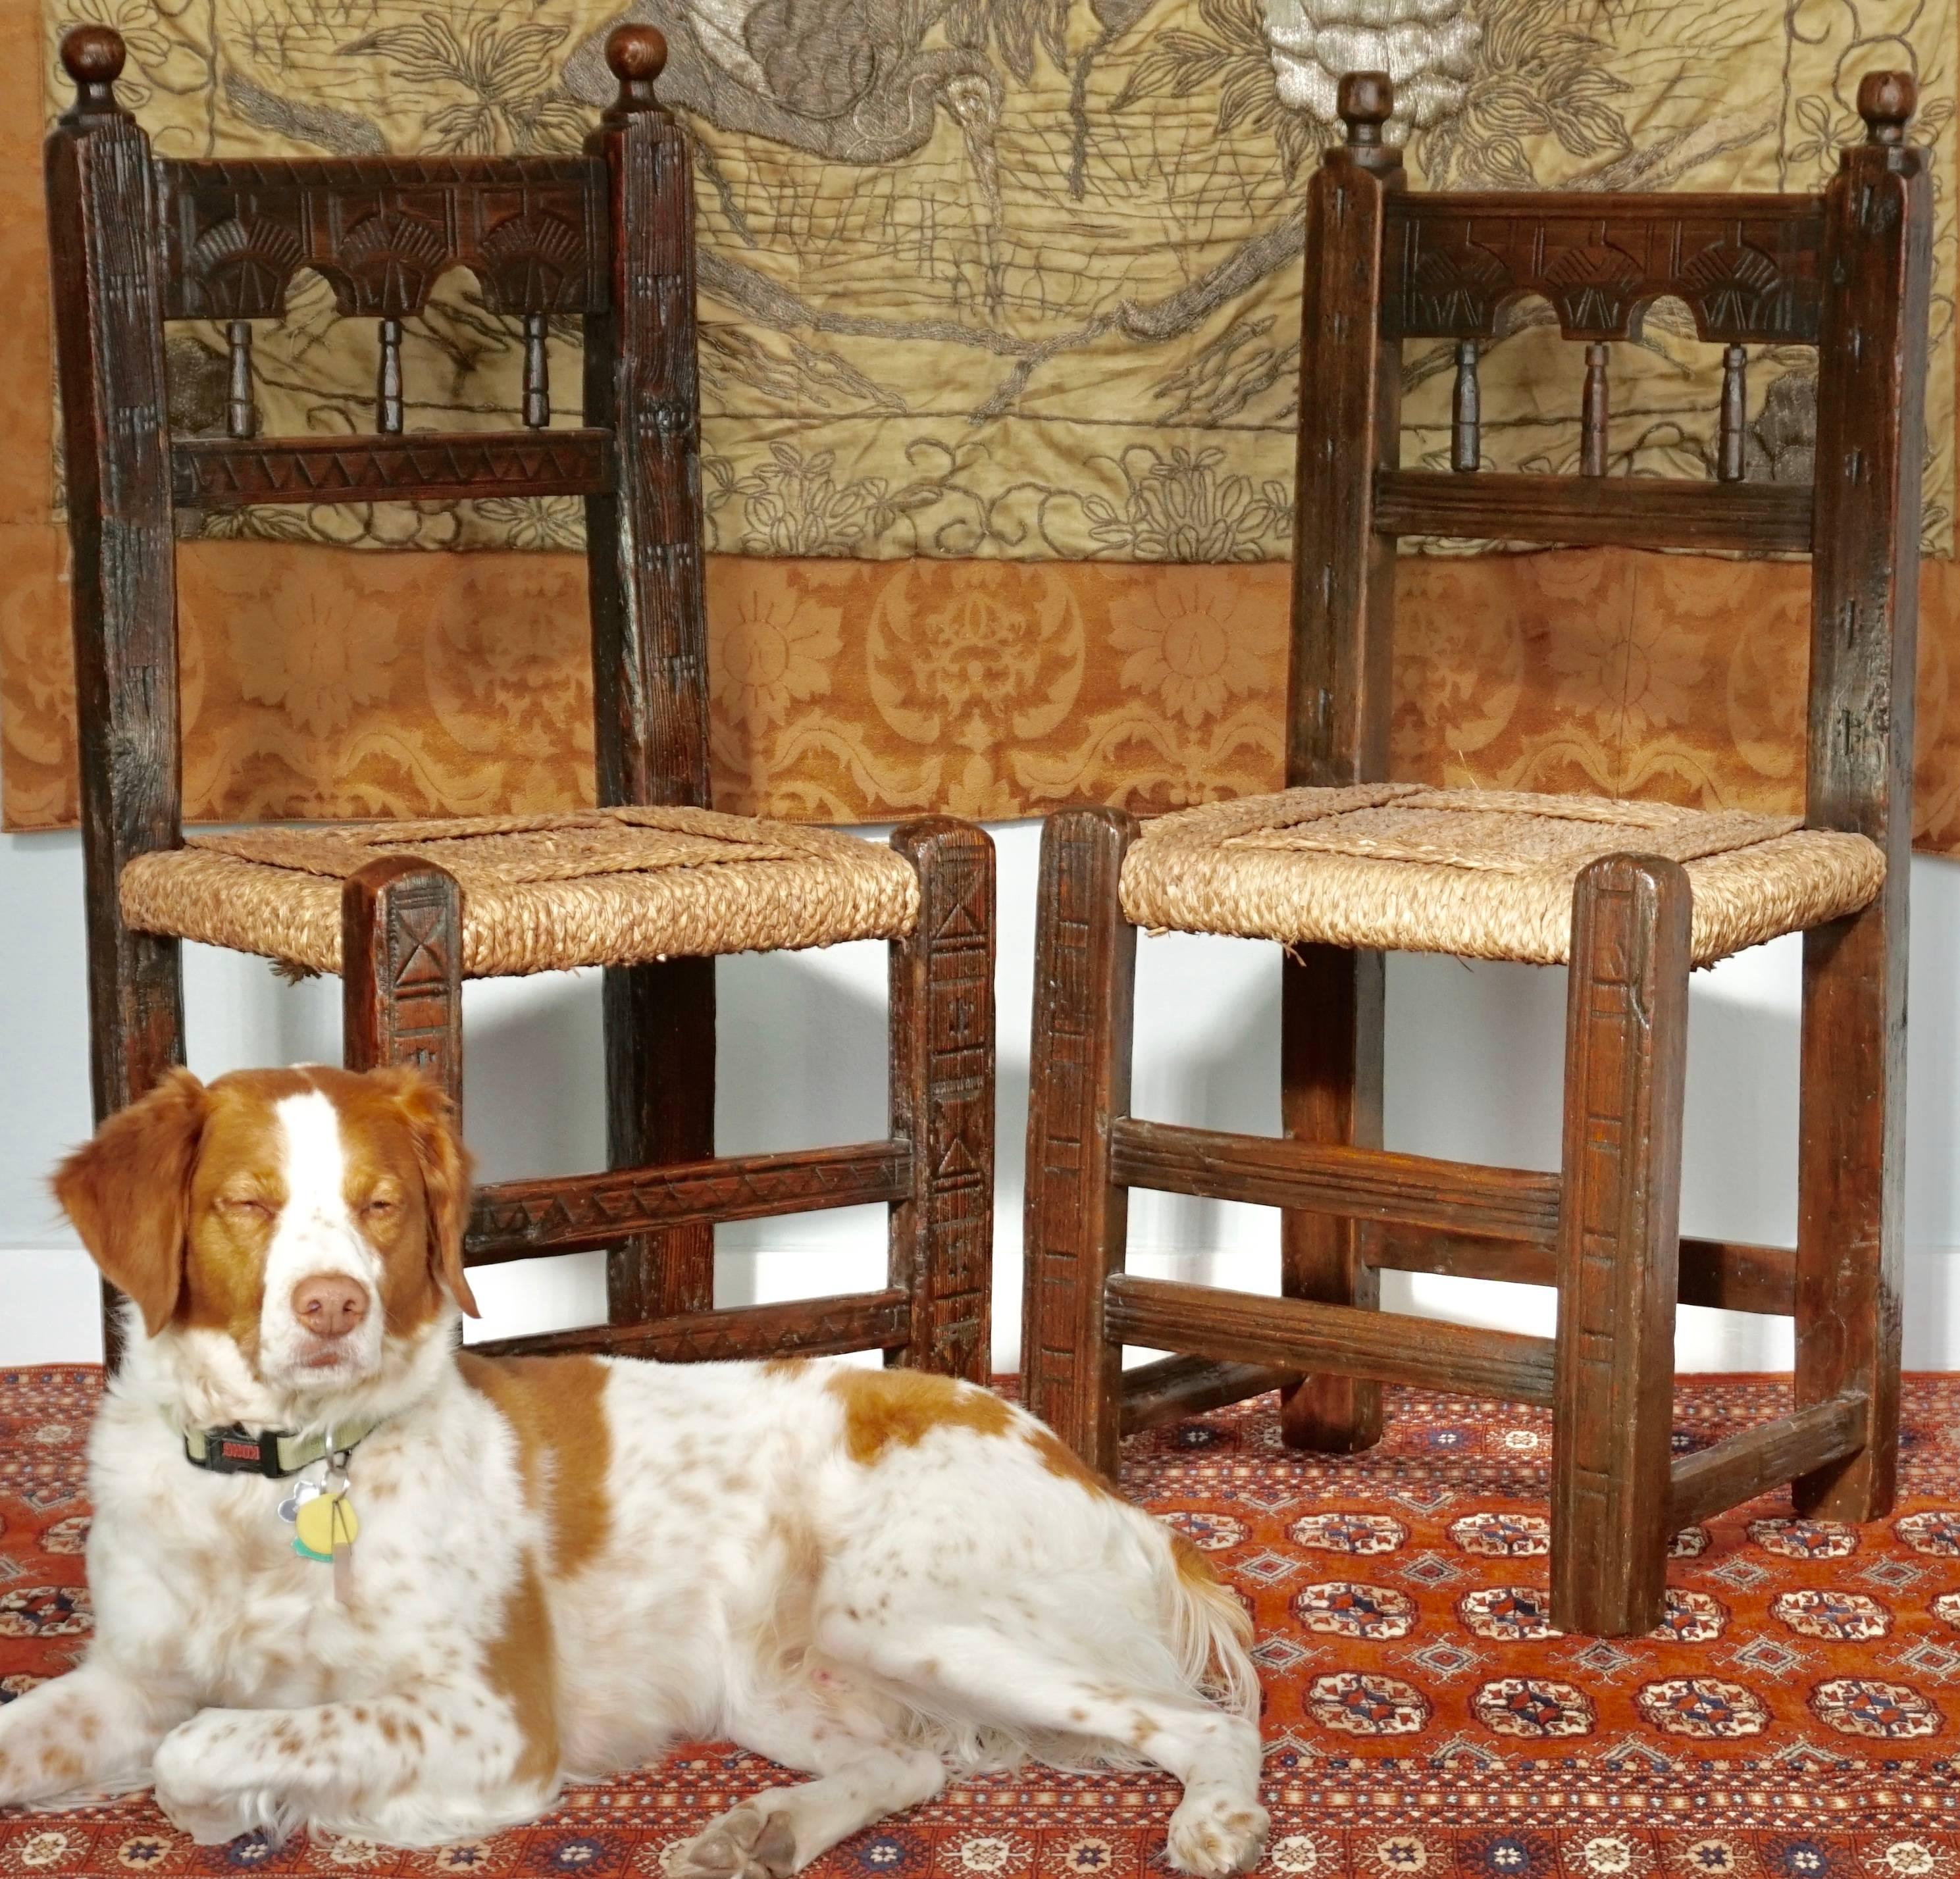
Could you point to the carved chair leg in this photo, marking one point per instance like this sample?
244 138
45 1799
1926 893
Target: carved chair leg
942 1098
1626 1052
1849 1168
135 1022
659 1106
1077 1218
1330 1010
401 938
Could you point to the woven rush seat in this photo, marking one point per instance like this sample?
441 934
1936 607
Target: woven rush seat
540 893
1484 874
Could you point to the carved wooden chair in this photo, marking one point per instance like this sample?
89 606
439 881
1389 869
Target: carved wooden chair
653 884
1346 864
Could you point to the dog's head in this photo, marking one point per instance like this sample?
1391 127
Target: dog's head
294 1237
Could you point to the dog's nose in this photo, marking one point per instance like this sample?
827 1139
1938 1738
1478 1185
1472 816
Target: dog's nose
328 1305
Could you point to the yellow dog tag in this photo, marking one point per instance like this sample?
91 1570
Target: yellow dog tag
326 1522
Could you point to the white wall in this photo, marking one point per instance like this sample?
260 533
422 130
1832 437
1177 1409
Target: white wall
1473 1058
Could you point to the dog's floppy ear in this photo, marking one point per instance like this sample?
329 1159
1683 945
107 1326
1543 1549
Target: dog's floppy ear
445 1165
128 1192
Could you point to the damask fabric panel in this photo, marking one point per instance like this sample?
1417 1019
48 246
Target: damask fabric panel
1020 278
321 683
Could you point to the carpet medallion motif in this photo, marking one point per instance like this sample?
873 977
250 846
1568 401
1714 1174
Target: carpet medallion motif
1796 1715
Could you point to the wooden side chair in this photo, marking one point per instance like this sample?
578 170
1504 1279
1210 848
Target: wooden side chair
1346 864
652 884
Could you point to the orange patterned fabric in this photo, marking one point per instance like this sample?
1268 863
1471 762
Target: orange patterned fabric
1794 1718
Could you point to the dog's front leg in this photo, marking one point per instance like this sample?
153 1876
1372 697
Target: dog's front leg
95 1728
444 1763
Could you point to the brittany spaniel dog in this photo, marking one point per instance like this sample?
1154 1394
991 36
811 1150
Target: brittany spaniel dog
348 1574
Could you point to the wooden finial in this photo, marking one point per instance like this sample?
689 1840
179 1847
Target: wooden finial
637 55
1886 101
1366 101
94 57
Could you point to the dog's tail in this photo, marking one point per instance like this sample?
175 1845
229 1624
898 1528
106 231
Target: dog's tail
1210 1630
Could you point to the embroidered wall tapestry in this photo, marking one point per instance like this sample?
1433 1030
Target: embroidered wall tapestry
1010 287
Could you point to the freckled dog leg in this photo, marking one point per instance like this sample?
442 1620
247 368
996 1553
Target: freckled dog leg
446 1763
1219 1827
93 1728
865 1774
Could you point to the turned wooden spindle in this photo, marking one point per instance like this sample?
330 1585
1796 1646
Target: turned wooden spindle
388 381
1729 454
637 54
1465 410
241 415
1593 413
537 373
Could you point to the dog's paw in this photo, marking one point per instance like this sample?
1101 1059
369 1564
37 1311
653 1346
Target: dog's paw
192 1799
745 1843
1215 1833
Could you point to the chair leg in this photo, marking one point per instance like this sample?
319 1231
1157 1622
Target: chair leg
1079 1083
135 1026
659 1023
1849 1169
942 1098
1626 1054
1331 1011
400 940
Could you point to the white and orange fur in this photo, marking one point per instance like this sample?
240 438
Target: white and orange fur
876 1577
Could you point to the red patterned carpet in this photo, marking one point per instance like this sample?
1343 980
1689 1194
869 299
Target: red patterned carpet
1797 1717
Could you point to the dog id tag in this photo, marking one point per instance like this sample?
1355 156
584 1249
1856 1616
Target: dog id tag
303 1491
324 1523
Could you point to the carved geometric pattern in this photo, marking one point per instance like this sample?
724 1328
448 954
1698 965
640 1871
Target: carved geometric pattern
223 473
1747 270
951 1112
382 230
510 1218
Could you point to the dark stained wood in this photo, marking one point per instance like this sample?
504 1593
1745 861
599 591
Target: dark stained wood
562 1213
1338 708
607 235
401 978
1621 511
1726 1275
1865 589
1174 1388
1077 1215
1595 412
1365 1183
382 231
1745 1465
1299 1335
942 1097
109 354
1331 1026
1732 439
440 466
650 643
1337 702
1466 411
1626 1056
659 1022
804 1327
649 619
1748 267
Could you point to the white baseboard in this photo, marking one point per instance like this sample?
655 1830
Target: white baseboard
51 1299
